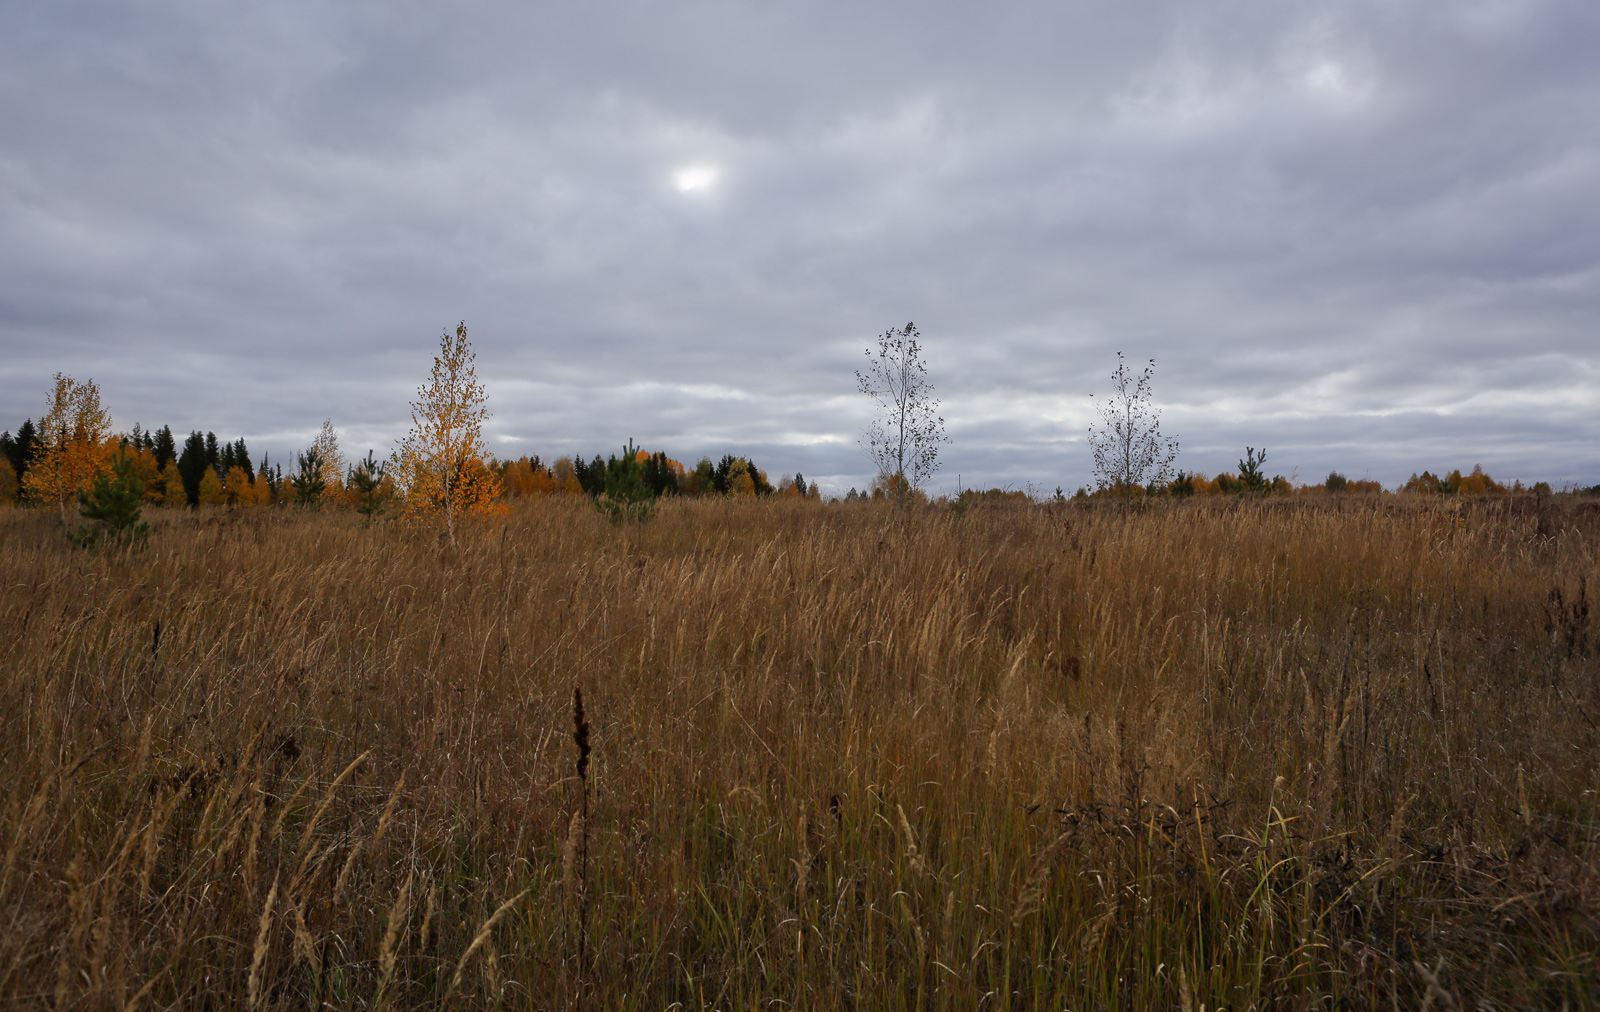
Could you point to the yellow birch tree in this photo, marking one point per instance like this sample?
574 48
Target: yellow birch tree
327 446
74 443
440 468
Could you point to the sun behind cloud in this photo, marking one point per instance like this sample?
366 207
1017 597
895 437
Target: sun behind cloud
695 178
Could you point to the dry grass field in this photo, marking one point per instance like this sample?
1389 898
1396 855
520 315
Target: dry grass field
1337 754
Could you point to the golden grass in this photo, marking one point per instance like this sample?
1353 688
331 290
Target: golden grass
1231 755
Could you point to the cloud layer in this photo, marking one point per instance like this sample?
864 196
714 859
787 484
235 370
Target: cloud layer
1363 234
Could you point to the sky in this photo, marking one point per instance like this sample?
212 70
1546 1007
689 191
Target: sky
1364 235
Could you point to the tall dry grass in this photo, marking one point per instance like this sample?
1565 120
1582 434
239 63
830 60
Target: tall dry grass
1332 756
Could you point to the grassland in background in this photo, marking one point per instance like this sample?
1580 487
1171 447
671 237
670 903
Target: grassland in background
1337 755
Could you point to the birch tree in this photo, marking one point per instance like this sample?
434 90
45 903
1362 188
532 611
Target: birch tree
330 457
441 468
1129 447
903 441
73 445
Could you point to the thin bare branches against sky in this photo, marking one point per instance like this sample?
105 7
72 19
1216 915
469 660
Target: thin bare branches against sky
1362 234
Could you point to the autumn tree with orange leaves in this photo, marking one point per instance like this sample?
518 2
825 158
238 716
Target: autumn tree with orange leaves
74 443
441 468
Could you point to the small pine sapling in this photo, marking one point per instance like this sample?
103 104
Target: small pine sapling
365 482
111 505
1251 477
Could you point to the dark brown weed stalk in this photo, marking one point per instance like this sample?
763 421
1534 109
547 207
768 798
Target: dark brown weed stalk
576 851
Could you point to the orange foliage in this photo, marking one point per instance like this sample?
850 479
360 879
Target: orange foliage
74 443
441 469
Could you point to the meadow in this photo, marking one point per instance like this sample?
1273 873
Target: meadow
1334 752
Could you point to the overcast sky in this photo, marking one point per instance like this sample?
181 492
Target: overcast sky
1365 235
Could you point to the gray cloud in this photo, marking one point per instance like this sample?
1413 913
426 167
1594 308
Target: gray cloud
1362 234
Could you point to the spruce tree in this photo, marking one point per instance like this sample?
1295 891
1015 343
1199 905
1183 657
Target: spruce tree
273 475
164 447
241 458
20 448
660 476
192 464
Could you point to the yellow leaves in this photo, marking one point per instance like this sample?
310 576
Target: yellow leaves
240 490
74 443
327 446
211 490
739 480
261 491
441 468
167 486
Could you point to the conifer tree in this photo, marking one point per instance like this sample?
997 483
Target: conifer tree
192 466
307 481
23 446
366 484
241 458
164 447
111 506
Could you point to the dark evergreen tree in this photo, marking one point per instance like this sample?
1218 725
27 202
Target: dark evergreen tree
719 477
213 451
366 481
659 476
225 461
8 449
763 487
591 476
241 457
192 464
1250 474
164 447
724 468
272 473
308 483
800 485
19 448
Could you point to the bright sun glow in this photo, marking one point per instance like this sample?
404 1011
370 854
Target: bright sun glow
694 178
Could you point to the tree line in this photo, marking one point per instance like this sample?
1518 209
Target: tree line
207 471
442 469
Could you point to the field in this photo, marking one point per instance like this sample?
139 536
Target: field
1338 753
